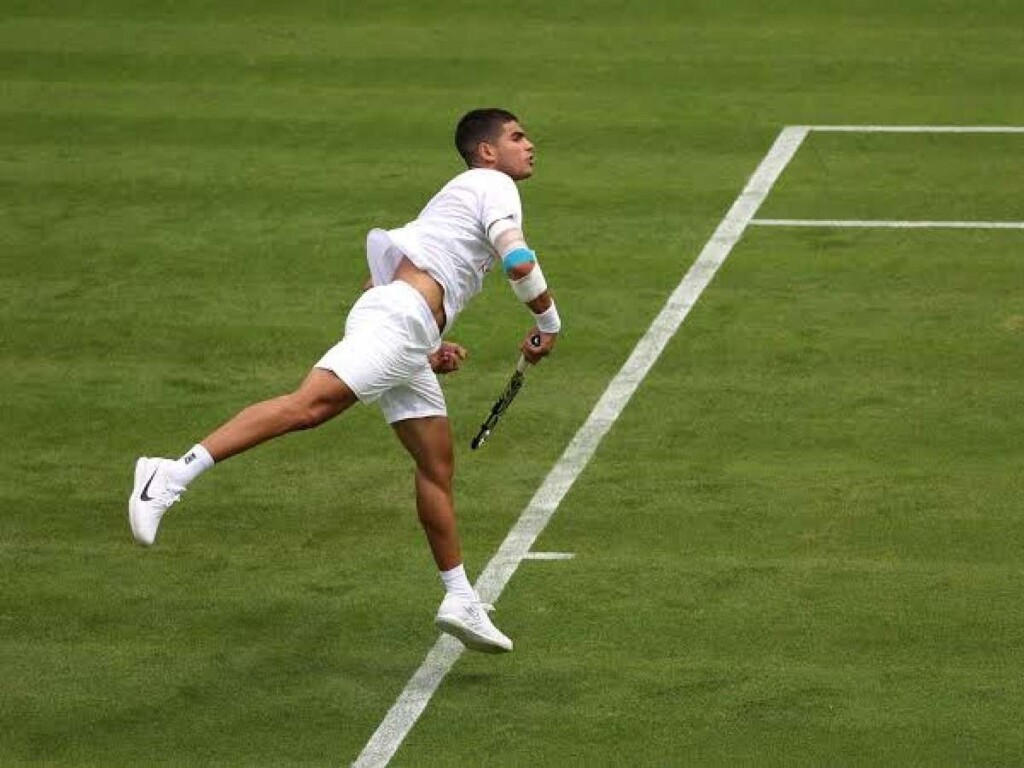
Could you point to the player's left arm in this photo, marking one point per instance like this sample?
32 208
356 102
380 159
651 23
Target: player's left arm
529 285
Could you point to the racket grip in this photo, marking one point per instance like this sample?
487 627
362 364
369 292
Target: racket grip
522 365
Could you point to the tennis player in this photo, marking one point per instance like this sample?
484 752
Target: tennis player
422 275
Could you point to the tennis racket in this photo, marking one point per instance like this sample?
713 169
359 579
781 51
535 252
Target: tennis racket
505 400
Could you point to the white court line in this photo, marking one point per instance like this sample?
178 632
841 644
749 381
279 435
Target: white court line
413 700
548 556
838 223
916 128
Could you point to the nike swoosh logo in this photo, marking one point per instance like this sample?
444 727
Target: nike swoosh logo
145 490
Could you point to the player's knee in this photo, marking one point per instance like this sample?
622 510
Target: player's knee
307 414
439 469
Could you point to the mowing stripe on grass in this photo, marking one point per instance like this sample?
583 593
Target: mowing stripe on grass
839 223
417 693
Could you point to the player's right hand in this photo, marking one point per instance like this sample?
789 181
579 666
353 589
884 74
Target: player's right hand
534 353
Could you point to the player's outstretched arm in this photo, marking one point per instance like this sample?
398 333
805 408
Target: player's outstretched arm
527 280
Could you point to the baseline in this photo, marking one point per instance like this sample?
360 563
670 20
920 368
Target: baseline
915 128
880 224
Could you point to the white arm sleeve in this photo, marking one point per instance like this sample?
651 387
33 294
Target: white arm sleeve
505 235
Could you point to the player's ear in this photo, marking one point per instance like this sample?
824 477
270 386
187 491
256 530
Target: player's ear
486 152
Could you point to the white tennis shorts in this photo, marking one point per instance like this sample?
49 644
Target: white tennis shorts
383 356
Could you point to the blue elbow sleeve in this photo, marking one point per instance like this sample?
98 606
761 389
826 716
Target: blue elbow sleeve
514 258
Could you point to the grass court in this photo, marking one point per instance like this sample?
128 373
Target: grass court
799 544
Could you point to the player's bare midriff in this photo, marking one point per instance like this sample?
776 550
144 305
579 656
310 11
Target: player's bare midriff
427 287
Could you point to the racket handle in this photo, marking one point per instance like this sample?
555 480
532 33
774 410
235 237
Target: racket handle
522 364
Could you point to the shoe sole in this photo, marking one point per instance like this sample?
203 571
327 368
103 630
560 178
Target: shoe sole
142 469
468 638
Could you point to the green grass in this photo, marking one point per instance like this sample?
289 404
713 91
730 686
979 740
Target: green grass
799 545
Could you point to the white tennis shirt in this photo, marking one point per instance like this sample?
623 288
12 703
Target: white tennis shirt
448 240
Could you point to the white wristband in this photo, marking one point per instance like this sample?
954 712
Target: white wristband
548 321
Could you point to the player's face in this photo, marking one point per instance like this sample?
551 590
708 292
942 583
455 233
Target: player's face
514 152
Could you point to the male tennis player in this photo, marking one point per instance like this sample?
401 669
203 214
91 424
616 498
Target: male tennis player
422 276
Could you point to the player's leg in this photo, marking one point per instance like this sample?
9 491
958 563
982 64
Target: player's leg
159 483
378 352
429 441
319 398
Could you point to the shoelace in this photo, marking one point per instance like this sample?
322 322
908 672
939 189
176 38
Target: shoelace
483 606
168 497
473 605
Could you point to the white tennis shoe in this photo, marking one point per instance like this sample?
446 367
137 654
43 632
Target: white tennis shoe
153 494
467 620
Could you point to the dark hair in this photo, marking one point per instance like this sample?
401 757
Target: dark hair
479 125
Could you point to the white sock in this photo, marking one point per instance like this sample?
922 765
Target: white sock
190 466
455 581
